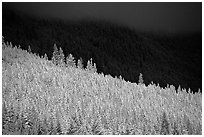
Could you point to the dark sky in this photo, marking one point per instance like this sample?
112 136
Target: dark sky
169 17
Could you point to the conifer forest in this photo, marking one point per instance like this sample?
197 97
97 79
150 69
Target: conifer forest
98 77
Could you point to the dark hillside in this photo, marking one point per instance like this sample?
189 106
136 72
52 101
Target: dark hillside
116 49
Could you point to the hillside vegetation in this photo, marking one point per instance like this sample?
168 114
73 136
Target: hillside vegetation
115 48
40 97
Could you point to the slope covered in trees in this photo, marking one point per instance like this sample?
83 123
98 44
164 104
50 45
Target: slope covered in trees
116 49
43 97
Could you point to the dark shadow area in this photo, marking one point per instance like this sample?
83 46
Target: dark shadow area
116 49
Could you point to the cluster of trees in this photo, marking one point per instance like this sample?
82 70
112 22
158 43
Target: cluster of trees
116 49
58 58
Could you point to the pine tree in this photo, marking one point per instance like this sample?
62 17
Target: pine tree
11 45
29 49
80 63
70 61
61 58
89 65
140 79
94 68
55 55
45 57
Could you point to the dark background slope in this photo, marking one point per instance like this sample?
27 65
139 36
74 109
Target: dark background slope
116 49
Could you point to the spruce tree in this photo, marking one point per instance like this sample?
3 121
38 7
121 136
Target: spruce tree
141 81
94 67
89 65
61 58
45 57
29 49
70 61
80 63
55 55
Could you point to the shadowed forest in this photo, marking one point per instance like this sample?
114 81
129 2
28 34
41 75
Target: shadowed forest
115 48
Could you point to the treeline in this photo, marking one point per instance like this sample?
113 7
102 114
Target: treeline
116 49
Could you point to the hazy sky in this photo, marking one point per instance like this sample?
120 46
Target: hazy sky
170 17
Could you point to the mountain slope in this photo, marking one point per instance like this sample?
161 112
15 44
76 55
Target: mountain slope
116 49
41 98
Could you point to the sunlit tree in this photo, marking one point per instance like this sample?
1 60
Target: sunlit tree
141 81
61 58
70 61
80 63
55 55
